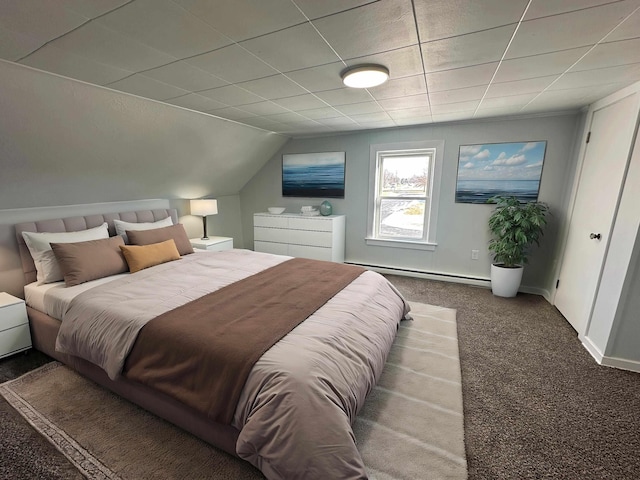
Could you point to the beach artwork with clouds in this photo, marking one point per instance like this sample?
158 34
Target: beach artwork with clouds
507 169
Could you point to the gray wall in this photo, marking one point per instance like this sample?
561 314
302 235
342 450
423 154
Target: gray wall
461 227
65 142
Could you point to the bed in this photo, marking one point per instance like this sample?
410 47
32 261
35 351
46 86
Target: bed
293 413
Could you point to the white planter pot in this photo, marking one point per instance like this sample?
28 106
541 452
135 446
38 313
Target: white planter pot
505 281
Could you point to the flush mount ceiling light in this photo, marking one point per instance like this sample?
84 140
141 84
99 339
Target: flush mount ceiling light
365 76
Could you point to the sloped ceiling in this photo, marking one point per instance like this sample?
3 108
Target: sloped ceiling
276 64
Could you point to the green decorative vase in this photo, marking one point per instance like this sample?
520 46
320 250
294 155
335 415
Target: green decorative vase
325 208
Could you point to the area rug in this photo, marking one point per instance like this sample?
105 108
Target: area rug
411 425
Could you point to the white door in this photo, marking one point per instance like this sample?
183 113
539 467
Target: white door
607 152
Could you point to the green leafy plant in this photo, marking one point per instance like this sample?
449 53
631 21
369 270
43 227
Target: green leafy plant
515 227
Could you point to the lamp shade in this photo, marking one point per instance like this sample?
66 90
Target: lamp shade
204 207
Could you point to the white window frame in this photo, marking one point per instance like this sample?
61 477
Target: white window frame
377 152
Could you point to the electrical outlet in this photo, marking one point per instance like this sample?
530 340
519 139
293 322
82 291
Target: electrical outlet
474 254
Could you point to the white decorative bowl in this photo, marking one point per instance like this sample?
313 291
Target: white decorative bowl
276 210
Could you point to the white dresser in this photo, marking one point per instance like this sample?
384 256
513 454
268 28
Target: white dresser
319 238
14 325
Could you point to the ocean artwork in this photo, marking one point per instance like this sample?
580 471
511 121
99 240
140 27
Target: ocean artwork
313 175
506 169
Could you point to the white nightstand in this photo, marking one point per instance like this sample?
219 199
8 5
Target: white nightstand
213 244
14 325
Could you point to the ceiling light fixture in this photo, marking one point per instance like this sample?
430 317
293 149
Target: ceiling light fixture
365 76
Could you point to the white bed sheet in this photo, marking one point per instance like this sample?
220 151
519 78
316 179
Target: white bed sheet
54 298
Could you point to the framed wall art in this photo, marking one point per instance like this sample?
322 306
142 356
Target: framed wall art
506 169
313 174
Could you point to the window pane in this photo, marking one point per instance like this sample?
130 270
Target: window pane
404 175
401 218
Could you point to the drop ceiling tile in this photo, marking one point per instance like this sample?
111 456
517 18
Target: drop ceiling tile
197 102
627 29
508 101
498 112
370 29
460 77
162 24
402 62
359 108
400 87
244 19
438 19
262 122
602 76
411 101
531 85
569 30
276 86
454 107
414 120
610 55
106 46
90 8
317 79
233 64
231 113
14 45
378 124
292 49
467 50
452 117
321 113
186 76
371 117
538 65
52 59
546 8
305 124
314 8
344 96
147 87
263 108
458 95
40 21
231 95
287 117
416 112
338 122
301 102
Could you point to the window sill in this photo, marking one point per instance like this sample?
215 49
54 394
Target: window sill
377 242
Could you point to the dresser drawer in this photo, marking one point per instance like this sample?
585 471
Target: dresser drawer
270 247
314 253
316 224
299 237
275 221
13 315
14 340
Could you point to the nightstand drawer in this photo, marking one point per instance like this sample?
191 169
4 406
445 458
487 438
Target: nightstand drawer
12 312
14 340
213 244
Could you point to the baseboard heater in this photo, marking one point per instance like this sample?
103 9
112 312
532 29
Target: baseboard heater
447 277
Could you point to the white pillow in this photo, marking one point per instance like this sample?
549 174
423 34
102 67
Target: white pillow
43 257
122 226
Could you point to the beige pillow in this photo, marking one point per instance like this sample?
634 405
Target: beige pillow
121 226
139 257
44 259
84 261
174 232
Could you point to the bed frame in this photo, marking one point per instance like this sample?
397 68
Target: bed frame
44 330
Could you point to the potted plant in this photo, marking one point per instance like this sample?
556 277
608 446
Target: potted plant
515 226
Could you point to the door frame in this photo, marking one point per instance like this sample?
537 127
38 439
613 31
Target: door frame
571 199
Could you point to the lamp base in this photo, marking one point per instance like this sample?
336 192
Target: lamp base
204 238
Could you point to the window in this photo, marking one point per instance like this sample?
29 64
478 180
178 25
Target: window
404 189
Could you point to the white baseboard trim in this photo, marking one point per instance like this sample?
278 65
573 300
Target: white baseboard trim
543 292
445 277
614 362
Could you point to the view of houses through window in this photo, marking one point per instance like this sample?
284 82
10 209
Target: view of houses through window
402 197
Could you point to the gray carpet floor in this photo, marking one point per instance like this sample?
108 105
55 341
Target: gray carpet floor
536 404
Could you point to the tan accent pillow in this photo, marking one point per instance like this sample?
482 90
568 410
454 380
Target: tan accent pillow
174 232
81 262
140 257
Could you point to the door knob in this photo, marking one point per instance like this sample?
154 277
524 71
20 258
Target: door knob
595 236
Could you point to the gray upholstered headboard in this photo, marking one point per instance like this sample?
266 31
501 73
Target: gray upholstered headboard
74 224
